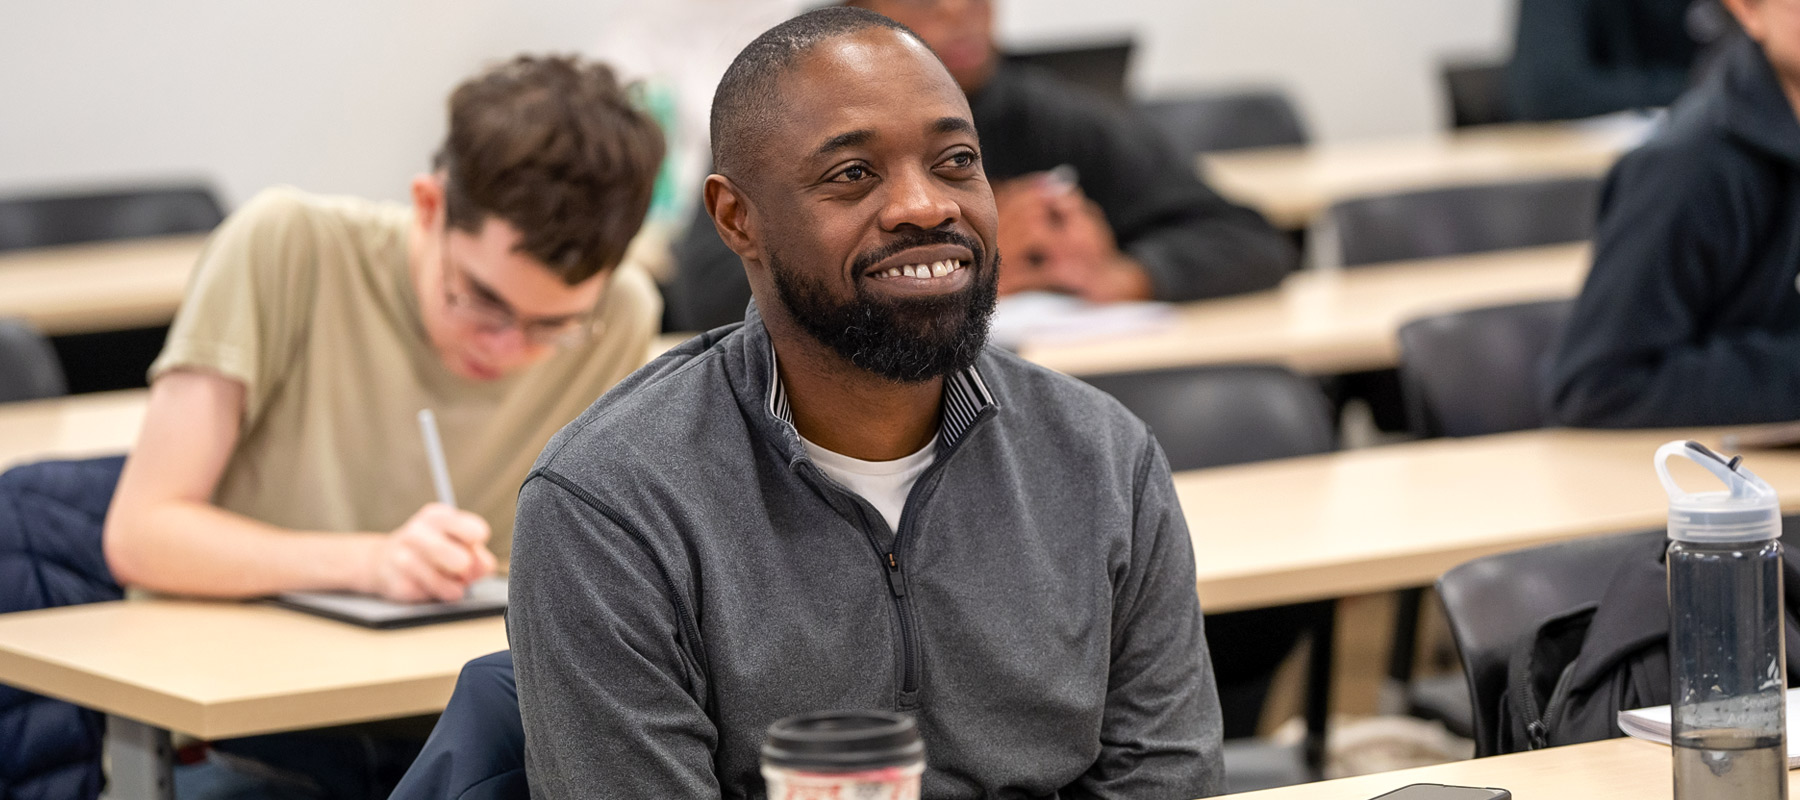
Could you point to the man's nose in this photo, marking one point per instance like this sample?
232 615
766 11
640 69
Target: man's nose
505 343
915 197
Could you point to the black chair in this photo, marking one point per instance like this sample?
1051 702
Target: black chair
104 360
1493 602
1214 416
1478 93
1217 121
1455 220
50 220
1471 373
28 365
1466 373
1098 66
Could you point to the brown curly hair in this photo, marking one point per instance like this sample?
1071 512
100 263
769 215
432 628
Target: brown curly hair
557 148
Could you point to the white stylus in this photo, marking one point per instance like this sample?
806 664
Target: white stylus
434 453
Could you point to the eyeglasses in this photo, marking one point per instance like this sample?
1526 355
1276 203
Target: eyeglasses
481 307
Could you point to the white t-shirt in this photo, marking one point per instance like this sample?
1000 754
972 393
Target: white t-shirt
885 484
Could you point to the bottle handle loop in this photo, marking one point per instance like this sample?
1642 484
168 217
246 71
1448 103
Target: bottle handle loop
1737 478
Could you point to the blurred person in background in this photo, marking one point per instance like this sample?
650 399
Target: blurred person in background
280 450
1584 58
1128 220
1691 314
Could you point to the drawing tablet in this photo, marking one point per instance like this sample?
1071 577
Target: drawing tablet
486 598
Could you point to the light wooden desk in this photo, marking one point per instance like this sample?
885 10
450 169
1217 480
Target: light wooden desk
77 426
1292 185
215 670
1329 321
1277 532
1398 516
1616 769
98 287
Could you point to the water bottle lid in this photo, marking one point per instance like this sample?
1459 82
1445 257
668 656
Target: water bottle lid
843 741
1746 511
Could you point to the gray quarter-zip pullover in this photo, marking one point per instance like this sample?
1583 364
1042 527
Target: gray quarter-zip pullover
683 575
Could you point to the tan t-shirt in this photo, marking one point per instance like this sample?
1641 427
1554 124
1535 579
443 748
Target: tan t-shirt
308 302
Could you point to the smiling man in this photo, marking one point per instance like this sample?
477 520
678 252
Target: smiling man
1140 224
849 501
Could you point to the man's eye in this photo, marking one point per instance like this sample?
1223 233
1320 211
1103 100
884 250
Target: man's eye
962 160
851 174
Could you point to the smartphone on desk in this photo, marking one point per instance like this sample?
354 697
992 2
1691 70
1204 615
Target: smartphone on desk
1438 791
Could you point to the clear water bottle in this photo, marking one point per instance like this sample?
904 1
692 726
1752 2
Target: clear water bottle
1728 668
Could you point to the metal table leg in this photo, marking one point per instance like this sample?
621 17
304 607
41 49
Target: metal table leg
1318 690
139 760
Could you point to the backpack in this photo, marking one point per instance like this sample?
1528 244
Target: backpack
1571 675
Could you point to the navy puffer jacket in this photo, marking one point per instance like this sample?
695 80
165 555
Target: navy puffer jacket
51 514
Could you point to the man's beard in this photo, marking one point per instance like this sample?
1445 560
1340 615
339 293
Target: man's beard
906 340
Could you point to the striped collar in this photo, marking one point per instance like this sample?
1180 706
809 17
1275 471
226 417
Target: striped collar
965 395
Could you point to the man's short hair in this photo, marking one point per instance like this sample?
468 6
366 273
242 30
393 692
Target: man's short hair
743 108
555 147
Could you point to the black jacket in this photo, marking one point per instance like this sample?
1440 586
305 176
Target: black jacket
1192 243
1691 315
1583 58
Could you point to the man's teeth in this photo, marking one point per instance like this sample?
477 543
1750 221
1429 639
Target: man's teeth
934 270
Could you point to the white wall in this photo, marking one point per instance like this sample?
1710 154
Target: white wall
347 95
1357 68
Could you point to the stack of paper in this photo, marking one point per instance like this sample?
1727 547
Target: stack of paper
1653 725
1043 318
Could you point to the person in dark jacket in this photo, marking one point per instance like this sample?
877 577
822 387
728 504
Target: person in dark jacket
1691 315
1583 58
1127 219
848 500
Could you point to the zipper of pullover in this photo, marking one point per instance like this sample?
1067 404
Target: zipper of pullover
891 565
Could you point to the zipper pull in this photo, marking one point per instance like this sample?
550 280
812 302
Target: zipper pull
896 581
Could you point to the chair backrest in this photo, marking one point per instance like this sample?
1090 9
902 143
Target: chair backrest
1216 121
1455 220
28 366
1494 601
1213 416
1471 373
49 220
1098 66
1478 93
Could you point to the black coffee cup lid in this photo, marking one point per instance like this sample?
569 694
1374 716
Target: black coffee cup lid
843 741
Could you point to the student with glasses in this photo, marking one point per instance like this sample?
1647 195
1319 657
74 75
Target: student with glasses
280 449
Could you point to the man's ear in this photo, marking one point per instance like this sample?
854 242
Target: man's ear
730 212
427 199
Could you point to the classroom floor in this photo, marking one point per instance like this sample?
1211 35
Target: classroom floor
1369 732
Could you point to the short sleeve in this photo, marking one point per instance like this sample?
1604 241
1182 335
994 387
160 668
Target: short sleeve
247 302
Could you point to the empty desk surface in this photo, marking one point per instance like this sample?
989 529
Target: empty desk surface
1400 515
1292 185
97 287
1616 769
1328 321
215 670
76 426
